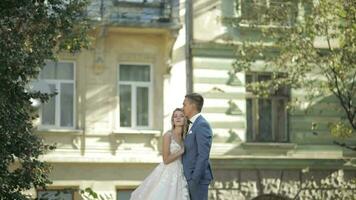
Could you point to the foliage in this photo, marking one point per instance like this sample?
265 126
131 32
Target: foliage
90 194
30 31
85 194
308 46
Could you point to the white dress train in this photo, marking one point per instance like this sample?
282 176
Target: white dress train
166 182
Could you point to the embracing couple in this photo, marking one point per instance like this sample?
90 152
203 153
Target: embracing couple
185 172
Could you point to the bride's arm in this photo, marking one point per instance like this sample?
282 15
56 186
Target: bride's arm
167 156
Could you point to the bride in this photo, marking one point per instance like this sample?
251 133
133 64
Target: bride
167 180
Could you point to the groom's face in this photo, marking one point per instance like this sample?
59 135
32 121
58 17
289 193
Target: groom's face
188 108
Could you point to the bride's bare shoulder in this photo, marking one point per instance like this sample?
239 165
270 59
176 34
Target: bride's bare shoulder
167 134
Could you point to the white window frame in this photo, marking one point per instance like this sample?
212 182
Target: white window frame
134 85
57 83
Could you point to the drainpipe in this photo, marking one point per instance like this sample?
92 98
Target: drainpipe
188 44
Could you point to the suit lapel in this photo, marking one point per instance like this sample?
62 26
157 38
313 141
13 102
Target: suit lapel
195 122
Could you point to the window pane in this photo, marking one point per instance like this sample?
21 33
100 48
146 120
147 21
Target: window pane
49 71
253 10
249 80
49 108
134 73
283 91
67 104
142 106
264 77
125 105
124 194
286 9
265 122
65 71
249 118
280 121
55 195
264 12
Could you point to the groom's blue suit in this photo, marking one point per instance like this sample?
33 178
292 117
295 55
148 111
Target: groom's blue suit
196 166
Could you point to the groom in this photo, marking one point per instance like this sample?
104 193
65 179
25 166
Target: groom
197 143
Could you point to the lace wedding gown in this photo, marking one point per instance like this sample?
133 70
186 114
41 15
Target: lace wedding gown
166 182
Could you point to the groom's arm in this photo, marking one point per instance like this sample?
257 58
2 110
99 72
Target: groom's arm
204 138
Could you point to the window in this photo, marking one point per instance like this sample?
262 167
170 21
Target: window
267 118
56 194
59 110
124 194
135 90
263 12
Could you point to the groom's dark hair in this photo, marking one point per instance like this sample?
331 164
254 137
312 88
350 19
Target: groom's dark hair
196 99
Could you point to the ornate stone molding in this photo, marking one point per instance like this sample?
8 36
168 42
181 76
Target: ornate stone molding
77 142
154 143
127 140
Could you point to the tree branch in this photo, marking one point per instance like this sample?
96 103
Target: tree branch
342 144
339 95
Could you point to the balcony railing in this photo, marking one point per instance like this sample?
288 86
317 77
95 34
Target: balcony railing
133 12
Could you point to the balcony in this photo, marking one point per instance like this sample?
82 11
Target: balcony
135 13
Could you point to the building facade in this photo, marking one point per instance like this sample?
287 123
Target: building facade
259 147
107 118
115 100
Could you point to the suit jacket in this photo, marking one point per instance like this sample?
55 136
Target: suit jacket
197 144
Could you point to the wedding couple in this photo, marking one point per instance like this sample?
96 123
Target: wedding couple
185 172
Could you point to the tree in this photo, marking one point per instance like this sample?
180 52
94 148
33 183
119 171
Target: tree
31 32
309 45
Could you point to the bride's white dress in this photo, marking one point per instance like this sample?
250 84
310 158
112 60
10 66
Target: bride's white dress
166 182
